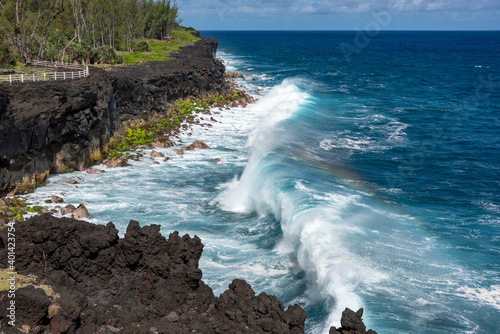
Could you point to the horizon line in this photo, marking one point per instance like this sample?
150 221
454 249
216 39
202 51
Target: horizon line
352 30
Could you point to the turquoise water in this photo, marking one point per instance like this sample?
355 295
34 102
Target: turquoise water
366 178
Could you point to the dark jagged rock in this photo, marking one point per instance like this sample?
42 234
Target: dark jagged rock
52 126
59 126
152 85
104 284
352 323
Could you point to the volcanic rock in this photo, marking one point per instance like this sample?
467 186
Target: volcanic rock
94 171
156 154
56 199
196 145
352 323
68 209
80 212
117 162
107 284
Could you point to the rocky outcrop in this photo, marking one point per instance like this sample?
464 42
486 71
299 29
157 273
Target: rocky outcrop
60 126
154 85
51 127
141 283
351 323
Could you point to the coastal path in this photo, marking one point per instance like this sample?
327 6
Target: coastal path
74 71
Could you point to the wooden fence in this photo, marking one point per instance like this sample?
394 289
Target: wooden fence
74 72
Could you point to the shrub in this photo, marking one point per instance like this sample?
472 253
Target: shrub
105 55
7 58
142 46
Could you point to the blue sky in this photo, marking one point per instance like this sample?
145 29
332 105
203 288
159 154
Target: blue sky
341 14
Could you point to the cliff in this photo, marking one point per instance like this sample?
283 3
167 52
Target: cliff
59 126
91 281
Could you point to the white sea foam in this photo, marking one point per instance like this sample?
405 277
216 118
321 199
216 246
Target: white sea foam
273 108
489 296
314 236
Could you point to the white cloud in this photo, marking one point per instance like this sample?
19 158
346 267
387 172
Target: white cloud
300 7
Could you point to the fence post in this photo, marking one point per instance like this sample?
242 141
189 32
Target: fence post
33 76
10 78
44 76
22 77
64 75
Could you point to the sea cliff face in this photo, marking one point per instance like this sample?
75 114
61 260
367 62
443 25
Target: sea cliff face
59 126
91 281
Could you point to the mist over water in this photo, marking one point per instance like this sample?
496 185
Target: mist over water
371 183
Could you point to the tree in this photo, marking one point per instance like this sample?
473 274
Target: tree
27 23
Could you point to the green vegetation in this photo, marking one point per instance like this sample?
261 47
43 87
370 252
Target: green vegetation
155 50
181 111
85 30
14 209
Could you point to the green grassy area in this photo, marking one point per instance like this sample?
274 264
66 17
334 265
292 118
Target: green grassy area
160 50
23 69
154 128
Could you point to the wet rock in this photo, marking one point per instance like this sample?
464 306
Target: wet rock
56 199
197 145
117 162
73 182
163 143
80 212
166 159
68 209
217 160
94 171
351 323
156 154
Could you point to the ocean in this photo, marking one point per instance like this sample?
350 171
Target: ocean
367 175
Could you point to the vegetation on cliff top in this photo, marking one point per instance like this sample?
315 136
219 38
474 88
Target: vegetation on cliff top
155 128
87 31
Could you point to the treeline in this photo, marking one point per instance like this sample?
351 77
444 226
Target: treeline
83 30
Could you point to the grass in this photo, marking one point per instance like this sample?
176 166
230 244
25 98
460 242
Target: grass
23 281
160 50
23 69
181 111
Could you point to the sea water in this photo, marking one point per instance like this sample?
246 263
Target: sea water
367 175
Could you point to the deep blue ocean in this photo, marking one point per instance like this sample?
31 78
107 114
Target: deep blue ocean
367 175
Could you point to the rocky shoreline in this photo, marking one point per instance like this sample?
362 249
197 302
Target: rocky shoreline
78 277
60 126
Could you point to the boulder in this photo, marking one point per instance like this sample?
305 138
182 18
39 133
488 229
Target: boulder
156 154
163 143
80 212
197 145
94 171
56 199
351 323
68 209
117 162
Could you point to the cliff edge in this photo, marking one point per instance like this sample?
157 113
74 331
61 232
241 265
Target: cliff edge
60 126
142 283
